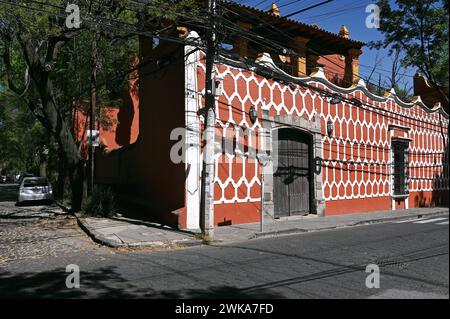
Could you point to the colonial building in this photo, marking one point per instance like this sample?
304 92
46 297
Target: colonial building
303 125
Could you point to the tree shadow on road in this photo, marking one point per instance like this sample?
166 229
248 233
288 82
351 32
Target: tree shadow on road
103 283
106 282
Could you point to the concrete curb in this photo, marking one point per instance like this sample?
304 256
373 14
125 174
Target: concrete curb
293 231
100 239
96 237
381 220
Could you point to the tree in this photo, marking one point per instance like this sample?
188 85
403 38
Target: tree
23 140
35 46
418 29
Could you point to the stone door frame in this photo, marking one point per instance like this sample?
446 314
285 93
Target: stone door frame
314 128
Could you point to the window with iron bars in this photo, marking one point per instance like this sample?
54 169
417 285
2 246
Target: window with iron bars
400 167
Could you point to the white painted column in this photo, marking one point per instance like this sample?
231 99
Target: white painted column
193 160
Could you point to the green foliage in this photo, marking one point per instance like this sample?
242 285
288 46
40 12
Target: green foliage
113 24
48 67
420 30
100 203
23 140
403 94
204 238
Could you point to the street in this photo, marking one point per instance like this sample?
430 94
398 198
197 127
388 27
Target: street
238 149
36 231
412 257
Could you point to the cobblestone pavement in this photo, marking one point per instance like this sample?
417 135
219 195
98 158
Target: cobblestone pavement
32 232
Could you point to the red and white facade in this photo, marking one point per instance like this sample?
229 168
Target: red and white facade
353 166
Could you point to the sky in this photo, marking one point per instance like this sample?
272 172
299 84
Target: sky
331 16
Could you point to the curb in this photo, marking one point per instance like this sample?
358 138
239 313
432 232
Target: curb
292 231
60 205
99 239
255 235
96 238
381 220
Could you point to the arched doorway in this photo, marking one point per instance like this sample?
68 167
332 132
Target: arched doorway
293 179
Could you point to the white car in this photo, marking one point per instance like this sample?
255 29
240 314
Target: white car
35 188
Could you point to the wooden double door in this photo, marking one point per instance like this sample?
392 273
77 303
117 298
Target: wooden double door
293 177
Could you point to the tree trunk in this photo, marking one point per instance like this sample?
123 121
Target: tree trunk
58 127
76 182
62 174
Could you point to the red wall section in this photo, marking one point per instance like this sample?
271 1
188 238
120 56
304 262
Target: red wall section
236 213
121 122
334 67
356 169
349 206
425 199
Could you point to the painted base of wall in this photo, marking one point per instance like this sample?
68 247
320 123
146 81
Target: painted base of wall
240 213
426 199
363 205
366 205
227 214
236 213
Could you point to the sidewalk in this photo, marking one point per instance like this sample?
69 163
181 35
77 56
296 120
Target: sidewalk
125 232
120 231
303 224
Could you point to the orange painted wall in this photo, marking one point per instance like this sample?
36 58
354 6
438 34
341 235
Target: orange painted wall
124 119
356 172
236 213
142 173
153 177
158 180
333 66
426 199
349 206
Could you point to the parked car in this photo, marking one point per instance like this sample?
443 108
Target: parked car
35 188
20 177
3 179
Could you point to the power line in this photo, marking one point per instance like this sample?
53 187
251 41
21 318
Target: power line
278 46
360 104
288 4
324 51
291 38
184 42
308 8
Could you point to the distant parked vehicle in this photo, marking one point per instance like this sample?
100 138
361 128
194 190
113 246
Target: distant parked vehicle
35 188
3 178
22 176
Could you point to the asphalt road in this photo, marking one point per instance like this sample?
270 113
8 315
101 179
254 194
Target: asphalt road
413 260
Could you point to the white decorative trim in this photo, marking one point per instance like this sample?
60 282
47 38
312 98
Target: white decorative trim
363 134
266 60
361 83
397 126
192 135
318 73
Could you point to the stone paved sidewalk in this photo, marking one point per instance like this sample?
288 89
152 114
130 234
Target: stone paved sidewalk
120 231
125 232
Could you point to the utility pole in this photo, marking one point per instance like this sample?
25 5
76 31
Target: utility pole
93 105
207 186
379 84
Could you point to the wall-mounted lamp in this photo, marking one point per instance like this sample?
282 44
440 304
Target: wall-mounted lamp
330 128
335 100
218 86
253 114
355 101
